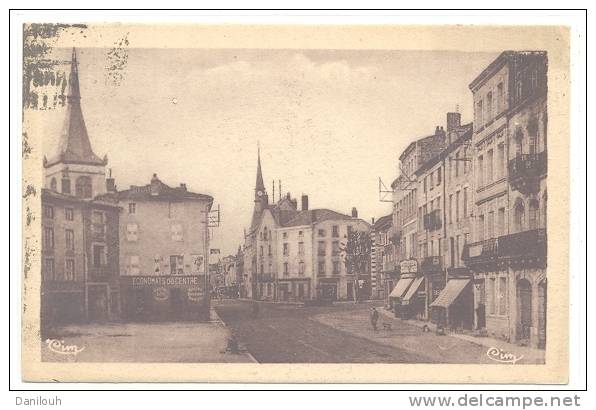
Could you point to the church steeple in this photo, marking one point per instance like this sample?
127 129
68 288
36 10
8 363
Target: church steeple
260 193
74 146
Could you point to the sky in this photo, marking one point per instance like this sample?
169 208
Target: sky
329 122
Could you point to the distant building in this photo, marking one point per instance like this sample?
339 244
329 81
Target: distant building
79 231
294 255
164 246
380 255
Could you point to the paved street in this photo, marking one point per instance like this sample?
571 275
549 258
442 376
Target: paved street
289 334
340 334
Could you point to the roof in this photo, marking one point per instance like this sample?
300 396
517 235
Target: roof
315 216
503 58
157 191
74 146
383 222
98 201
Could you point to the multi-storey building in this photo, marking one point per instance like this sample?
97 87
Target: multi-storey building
508 253
451 298
164 243
79 232
410 189
381 254
293 255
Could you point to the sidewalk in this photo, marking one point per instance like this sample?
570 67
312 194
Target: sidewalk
165 342
427 346
531 355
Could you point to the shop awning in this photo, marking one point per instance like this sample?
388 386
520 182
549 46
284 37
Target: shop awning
401 287
448 295
413 289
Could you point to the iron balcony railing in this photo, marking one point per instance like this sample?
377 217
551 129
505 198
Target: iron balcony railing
530 243
527 166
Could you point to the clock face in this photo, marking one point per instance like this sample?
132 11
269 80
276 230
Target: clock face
260 193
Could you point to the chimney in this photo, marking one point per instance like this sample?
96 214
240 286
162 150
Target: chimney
304 202
453 120
437 130
183 186
154 185
372 221
354 212
110 183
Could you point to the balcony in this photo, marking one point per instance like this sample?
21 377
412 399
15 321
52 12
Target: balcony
522 246
525 171
431 264
432 220
525 244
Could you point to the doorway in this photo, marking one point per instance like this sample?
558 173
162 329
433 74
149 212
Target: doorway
524 300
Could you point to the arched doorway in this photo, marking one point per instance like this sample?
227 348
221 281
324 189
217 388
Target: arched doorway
542 315
524 303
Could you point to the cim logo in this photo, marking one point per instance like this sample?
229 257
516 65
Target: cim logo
501 356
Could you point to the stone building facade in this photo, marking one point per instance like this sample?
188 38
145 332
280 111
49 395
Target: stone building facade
508 254
80 254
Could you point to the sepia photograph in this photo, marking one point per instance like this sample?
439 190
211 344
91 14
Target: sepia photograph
250 204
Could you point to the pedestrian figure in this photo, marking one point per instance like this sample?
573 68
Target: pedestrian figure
374 318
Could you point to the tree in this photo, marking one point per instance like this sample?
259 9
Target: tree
356 251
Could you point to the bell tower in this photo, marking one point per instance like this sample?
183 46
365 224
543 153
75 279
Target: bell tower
75 169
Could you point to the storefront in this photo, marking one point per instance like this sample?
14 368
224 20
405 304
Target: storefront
327 289
453 308
293 290
413 302
164 298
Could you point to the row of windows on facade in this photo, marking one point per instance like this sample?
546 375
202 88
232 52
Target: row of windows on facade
405 208
490 171
265 234
98 259
321 268
176 232
267 289
98 219
83 186
535 217
493 104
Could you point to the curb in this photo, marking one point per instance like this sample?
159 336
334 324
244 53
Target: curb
215 317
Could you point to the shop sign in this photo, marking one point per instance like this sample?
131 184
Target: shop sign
195 294
165 281
408 266
160 294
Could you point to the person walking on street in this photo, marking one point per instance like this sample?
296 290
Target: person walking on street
374 318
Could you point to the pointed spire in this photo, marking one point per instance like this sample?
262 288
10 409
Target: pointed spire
259 186
74 146
74 92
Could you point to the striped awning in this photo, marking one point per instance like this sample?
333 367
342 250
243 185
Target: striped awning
413 289
401 287
448 295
